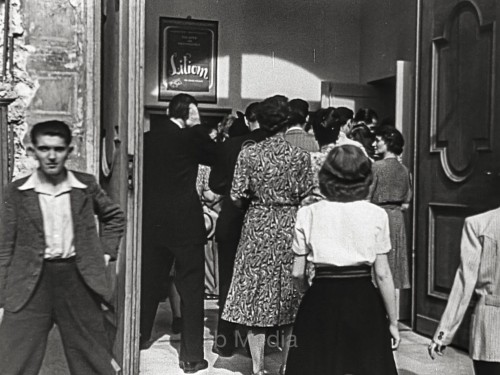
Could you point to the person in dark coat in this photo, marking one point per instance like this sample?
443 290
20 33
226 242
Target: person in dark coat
173 223
53 262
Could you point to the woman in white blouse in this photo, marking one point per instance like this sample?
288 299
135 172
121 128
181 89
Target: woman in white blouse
344 324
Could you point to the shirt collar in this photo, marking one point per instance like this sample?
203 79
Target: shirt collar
294 128
34 182
177 122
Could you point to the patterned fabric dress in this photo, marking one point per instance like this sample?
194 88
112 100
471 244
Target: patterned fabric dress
390 189
274 176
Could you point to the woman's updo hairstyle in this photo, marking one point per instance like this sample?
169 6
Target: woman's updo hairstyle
326 126
346 174
392 137
273 114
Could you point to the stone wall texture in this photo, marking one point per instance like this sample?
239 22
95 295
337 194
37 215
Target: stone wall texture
49 73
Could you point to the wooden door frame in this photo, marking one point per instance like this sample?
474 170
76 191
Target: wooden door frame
136 43
416 119
131 79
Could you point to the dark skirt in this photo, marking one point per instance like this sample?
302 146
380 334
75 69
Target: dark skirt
341 328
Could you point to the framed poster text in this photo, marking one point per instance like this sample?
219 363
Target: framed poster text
188 59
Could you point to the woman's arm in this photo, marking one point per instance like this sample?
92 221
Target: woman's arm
386 286
299 273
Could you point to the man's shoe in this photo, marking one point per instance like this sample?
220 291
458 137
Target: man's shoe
177 325
192 367
221 352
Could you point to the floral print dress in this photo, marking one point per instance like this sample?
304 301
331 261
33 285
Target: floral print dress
274 176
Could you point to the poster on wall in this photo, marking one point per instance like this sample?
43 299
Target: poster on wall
188 59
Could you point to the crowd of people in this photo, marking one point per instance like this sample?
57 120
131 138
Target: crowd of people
309 240
303 199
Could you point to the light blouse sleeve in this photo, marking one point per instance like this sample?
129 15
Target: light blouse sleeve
241 179
463 285
382 238
300 246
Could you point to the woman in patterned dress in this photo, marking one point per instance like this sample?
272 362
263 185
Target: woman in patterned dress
271 177
391 190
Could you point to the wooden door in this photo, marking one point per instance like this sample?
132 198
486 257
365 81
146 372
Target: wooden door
458 140
122 48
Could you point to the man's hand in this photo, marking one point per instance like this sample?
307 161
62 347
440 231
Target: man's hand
434 347
107 258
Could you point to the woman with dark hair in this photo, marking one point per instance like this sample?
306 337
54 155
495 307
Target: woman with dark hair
391 190
362 134
344 324
327 126
366 116
271 178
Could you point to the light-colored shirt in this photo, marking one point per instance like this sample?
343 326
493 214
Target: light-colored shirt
341 234
56 213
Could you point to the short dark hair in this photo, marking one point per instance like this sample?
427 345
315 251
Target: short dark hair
251 111
392 137
179 106
299 110
345 114
53 128
326 126
346 174
273 114
366 115
362 133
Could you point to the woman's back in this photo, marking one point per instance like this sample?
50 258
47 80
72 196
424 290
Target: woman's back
342 234
274 172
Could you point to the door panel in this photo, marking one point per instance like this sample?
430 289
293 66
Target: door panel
114 128
459 153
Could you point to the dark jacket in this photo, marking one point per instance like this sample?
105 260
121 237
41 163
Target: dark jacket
231 218
22 241
172 210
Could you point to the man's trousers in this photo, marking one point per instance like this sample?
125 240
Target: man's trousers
61 297
189 280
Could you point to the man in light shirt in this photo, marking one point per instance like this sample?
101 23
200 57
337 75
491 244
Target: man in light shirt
53 263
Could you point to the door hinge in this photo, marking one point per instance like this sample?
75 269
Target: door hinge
130 173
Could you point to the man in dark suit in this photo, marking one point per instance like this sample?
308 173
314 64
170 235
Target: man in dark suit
53 263
230 221
173 223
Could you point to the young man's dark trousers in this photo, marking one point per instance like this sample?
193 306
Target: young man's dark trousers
61 297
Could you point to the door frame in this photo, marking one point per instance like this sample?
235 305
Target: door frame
136 43
131 83
416 119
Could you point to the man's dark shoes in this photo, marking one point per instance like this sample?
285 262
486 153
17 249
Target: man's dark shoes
177 325
192 367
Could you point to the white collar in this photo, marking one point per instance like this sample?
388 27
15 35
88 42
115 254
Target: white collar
177 122
293 128
34 182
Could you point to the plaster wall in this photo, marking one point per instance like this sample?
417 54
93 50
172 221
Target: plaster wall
265 48
387 35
